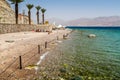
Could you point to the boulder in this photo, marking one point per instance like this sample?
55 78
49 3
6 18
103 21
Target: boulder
91 35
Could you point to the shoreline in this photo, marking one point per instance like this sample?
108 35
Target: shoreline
25 44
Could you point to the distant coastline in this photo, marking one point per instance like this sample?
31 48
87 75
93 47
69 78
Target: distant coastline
93 27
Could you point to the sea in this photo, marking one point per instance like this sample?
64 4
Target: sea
96 58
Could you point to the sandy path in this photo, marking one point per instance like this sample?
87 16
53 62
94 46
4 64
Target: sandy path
14 44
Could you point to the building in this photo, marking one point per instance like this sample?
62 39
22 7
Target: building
23 19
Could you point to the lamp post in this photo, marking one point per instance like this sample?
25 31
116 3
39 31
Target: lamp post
23 16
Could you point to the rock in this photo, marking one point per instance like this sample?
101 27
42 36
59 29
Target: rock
30 67
91 35
61 78
9 41
76 78
62 70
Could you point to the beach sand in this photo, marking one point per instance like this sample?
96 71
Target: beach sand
25 44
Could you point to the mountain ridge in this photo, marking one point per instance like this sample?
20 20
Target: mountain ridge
97 21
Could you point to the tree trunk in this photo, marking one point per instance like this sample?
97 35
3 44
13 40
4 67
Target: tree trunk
38 17
16 12
43 18
29 15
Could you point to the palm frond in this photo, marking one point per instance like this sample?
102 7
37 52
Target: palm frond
30 6
38 8
43 10
15 1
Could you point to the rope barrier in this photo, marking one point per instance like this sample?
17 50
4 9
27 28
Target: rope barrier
27 60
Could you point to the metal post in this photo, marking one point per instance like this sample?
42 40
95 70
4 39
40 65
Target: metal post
38 49
57 38
46 44
64 36
20 59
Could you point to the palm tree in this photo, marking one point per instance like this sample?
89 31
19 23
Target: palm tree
29 6
16 2
38 8
43 11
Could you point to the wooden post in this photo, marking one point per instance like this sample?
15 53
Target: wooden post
64 36
57 38
46 44
20 59
38 49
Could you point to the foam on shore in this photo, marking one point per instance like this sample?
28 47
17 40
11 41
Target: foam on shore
42 57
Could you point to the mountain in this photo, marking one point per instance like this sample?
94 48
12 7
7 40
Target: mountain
98 21
56 21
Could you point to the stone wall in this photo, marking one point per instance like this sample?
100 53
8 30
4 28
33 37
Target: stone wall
7 15
11 28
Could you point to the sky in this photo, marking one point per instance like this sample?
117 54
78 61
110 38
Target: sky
74 9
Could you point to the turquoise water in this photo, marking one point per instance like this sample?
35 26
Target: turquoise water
92 58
